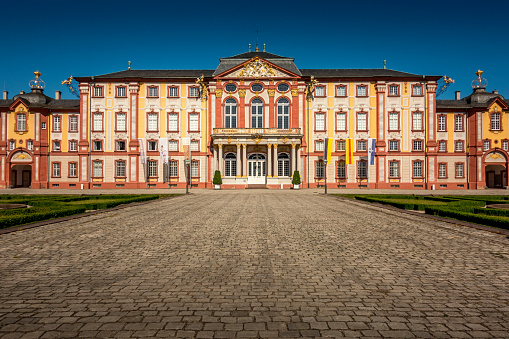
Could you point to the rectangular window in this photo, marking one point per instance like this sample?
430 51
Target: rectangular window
393 145
417 121
30 145
12 144
320 169
56 146
152 145
495 121
442 123
341 145
152 122
174 165
98 121
193 122
320 91
98 91
320 121
341 91
97 169
195 169
173 146
21 122
417 145
152 91
417 90
417 169
121 91
97 145
341 121
120 169
458 123
361 145
195 145
43 125
194 92
393 121
121 122
73 169
173 92
173 120
57 126
73 123
394 169
442 170
56 169
120 145
459 170
487 145
152 168
505 145
458 146
442 146
341 170
362 121
362 169
319 146
362 91
73 146
393 90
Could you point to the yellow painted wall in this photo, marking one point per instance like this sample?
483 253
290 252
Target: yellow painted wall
30 125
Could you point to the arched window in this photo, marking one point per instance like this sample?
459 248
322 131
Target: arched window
257 113
230 115
283 113
230 165
283 165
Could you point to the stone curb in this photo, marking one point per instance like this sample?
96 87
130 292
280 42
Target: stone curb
76 216
433 217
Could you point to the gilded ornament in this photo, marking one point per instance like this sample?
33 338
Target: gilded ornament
257 138
220 145
239 145
275 146
269 145
271 92
219 93
257 68
294 145
204 90
229 139
244 146
242 93
295 92
285 139
21 156
495 156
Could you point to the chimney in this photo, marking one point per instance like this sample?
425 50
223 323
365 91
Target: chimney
21 92
457 95
6 95
495 91
58 95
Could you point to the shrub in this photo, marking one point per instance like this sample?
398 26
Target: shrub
217 180
296 178
483 219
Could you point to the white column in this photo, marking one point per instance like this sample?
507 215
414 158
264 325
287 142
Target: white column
238 161
244 160
269 160
294 160
214 160
274 172
220 158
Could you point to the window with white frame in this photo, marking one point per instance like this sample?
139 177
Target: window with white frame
56 169
393 121
56 146
98 91
458 146
442 170
319 146
341 121
121 122
394 169
152 168
458 122
340 91
394 90
98 121
442 146
257 113
173 146
417 90
120 145
283 113
495 121
73 123
341 169
230 113
152 91
195 170
73 169
393 145
173 92
486 144
361 145
230 165
173 120
97 145
505 145
341 145
121 91
152 145
152 122
120 168
195 145
362 91
418 145
459 170
417 121
43 125
73 146
283 165
97 169
194 122
417 169
320 121
194 92
12 145
57 123
174 165
362 169
30 145
362 121
320 169
442 123
320 91
21 123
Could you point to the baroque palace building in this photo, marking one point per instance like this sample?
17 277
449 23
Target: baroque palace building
256 118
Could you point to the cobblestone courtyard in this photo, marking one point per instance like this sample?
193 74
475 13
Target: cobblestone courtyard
254 264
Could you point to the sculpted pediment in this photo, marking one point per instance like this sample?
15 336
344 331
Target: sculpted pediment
257 68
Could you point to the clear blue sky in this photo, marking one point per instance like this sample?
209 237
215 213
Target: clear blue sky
62 38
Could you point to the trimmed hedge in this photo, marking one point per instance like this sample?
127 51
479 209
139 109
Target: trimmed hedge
483 219
14 220
492 211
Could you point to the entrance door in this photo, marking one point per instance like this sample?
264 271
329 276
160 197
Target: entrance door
14 178
256 169
27 176
490 179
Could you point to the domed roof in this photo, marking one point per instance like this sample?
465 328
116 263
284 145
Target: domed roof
34 98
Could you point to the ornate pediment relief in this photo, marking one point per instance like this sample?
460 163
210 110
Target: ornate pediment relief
495 157
257 68
21 157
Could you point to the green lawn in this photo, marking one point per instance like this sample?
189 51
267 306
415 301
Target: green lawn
466 208
44 207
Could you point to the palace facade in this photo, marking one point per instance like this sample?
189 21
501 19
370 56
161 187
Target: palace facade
256 118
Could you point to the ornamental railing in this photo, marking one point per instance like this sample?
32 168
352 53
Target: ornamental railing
262 131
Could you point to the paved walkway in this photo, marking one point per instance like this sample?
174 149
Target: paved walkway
253 263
